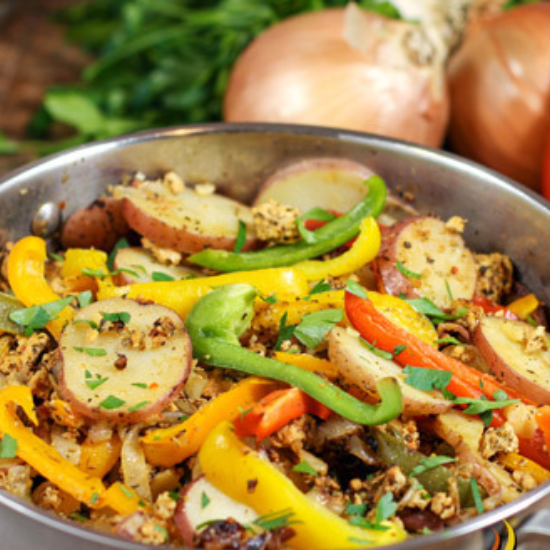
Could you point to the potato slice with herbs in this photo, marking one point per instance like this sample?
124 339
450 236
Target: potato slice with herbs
123 360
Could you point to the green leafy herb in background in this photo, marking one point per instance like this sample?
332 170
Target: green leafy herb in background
157 63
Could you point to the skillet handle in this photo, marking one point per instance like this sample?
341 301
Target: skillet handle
534 533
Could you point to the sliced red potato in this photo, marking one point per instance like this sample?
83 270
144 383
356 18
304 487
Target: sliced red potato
139 265
185 221
330 183
426 247
99 225
202 502
518 354
123 372
363 368
456 427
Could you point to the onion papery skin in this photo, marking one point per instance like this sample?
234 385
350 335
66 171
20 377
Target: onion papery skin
303 71
500 92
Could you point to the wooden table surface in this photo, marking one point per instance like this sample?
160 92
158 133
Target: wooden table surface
33 56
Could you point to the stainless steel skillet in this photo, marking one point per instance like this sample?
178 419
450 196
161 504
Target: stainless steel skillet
502 216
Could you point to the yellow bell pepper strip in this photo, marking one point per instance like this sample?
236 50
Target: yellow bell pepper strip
123 500
215 325
363 251
517 462
98 458
182 295
41 456
524 306
64 414
308 362
327 238
166 447
78 259
234 468
27 280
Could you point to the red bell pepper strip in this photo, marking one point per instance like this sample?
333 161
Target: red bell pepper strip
276 410
489 307
466 381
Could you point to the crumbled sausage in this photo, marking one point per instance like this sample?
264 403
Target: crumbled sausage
174 182
165 506
495 275
294 434
456 224
165 256
276 222
525 480
499 440
394 481
443 506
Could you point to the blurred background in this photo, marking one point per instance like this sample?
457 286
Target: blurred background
472 76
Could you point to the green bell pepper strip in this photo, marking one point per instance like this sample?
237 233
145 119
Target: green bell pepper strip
393 451
218 320
330 236
9 304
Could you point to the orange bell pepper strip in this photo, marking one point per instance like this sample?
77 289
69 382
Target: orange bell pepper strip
520 463
466 381
276 410
123 500
535 449
166 447
28 283
522 307
308 362
241 473
41 456
99 458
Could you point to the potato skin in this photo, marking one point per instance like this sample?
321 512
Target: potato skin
99 225
93 411
506 372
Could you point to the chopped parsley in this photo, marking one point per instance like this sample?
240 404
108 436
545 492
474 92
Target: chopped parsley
117 317
356 509
85 298
483 407
449 340
100 274
355 288
142 385
205 500
398 350
407 272
449 291
319 288
94 383
285 332
241 237
427 379
429 463
315 326
111 402
477 497
159 276
92 352
271 299
56 257
37 317
139 406
8 447
122 243
428 308
531 321
276 520
376 351
94 499
385 508
305 467
89 322
126 492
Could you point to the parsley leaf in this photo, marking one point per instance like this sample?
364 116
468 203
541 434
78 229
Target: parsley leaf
356 509
276 520
159 276
480 406
429 463
100 274
89 322
399 349
141 385
139 406
305 467
56 257
385 508
8 447
271 299
477 497
85 298
319 288
95 383
355 288
427 379
376 351
315 326
449 291
92 352
122 243
117 317
428 308
111 402
316 214
285 332
94 499
205 500
241 237
36 317
449 340
407 272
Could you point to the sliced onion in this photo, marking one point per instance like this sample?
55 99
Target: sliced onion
342 68
135 470
68 449
500 90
